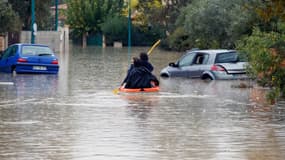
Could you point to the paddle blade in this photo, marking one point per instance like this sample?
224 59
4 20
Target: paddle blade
116 91
153 46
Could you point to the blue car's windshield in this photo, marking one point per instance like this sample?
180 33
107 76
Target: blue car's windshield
36 51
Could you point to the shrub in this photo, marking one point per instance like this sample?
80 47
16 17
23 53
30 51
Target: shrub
179 40
265 52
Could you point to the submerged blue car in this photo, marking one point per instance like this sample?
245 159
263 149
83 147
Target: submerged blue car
29 58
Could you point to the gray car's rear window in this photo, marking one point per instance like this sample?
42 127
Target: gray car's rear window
227 57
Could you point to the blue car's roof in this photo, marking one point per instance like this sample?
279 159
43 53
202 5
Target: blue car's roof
29 44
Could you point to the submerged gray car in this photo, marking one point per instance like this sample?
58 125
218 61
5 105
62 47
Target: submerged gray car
208 64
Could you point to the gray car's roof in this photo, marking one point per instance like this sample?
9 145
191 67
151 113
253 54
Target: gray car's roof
213 51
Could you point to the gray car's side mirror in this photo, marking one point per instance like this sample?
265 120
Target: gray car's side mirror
172 64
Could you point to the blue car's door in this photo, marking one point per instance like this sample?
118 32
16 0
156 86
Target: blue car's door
8 59
4 59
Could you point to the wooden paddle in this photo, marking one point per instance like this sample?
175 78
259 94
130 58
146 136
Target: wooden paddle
153 46
115 91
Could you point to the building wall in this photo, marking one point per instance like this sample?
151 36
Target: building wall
56 40
3 42
50 38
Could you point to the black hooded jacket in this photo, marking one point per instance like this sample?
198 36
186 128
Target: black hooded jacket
147 65
144 61
140 77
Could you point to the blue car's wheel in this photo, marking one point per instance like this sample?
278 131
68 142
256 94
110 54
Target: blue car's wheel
13 68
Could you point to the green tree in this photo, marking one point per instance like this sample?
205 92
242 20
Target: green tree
42 12
265 46
116 29
9 19
149 12
269 13
270 9
87 16
160 13
215 23
179 40
170 12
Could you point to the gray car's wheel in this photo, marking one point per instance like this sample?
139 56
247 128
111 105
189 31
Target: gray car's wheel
207 77
164 75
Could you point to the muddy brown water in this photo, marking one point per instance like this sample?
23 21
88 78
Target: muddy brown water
75 116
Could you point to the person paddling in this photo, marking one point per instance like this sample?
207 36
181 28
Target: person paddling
139 76
145 62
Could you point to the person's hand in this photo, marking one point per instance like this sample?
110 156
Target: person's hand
152 83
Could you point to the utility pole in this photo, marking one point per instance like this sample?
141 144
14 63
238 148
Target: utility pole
129 31
56 15
33 25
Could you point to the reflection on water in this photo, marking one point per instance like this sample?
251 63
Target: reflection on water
74 115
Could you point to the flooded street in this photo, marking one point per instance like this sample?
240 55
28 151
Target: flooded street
75 115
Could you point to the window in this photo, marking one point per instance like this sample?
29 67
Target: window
201 59
36 50
6 53
227 57
187 60
9 52
13 51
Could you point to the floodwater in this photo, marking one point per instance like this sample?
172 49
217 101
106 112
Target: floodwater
75 115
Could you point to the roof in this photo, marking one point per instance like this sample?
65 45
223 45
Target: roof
213 51
30 44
